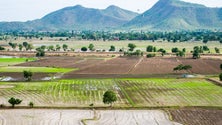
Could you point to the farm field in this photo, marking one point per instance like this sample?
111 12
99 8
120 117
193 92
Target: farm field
197 116
151 92
35 69
7 60
76 117
146 67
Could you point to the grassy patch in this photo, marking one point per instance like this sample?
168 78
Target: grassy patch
35 69
13 61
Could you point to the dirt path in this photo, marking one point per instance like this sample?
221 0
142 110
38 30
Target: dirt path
135 65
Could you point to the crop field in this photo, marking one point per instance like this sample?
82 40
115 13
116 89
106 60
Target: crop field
5 61
171 92
76 93
34 69
130 92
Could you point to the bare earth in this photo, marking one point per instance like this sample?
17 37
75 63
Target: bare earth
74 117
197 116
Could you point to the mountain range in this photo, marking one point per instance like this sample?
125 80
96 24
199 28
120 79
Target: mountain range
165 15
177 15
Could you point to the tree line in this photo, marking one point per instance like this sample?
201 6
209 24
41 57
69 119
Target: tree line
183 36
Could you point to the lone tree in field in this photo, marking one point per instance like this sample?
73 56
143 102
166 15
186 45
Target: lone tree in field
131 46
27 75
14 101
109 97
91 47
112 48
84 49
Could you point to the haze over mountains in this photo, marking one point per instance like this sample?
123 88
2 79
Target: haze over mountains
165 15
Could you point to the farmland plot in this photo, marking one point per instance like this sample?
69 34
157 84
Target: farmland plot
72 93
74 117
130 92
198 116
171 92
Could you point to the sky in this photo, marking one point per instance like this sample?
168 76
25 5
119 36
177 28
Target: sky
24 10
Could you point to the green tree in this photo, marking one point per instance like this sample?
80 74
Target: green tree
25 44
150 48
65 47
27 75
217 50
180 53
14 101
30 47
112 48
20 47
50 48
13 45
196 54
40 52
84 49
91 47
43 47
175 50
131 46
58 47
109 97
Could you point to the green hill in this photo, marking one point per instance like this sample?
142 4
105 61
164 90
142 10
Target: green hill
75 18
171 15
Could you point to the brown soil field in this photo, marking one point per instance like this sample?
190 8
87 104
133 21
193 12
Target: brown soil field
97 66
197 116
134 66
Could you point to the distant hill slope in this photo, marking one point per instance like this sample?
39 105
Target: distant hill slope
75 18
177 15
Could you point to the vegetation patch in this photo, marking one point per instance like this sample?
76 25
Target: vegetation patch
13 61
153 92
35 69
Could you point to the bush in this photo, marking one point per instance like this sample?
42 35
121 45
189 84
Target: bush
84 49
31 104
27 75
220 76
2 48
150 55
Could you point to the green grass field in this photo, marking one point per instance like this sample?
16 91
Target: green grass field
35 69
131 92
13 61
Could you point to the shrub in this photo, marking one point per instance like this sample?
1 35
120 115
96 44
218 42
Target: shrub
220 76
84 49
150 55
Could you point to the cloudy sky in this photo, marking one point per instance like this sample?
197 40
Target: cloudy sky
23 10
